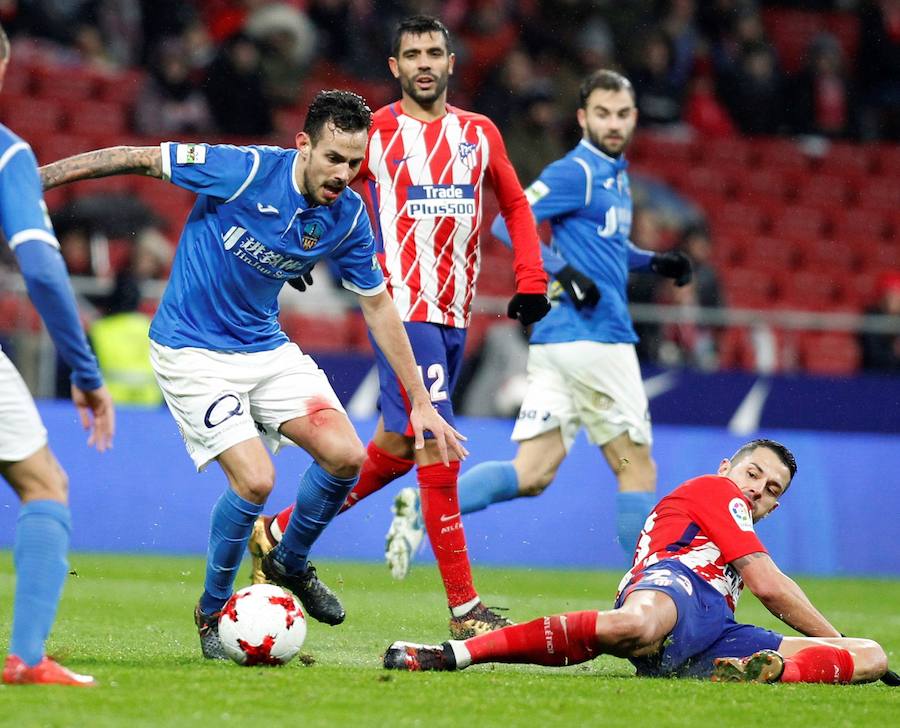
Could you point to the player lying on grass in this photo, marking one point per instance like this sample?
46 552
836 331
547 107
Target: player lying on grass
674 612
231 378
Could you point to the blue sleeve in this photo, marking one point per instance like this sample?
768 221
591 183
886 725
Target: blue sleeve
561 188
221 171
638 259
355 257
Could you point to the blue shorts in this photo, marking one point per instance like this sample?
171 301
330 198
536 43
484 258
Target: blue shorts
705 628
438 351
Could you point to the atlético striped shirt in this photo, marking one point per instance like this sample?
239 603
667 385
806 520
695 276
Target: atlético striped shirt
423 185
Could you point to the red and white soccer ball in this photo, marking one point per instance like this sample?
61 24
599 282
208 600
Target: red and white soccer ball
262 625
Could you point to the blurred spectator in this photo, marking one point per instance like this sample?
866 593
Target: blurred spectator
659 95
678 23
820 95
287 40
370 26
878 68
538 119
235 92
94 54
703 111
646 233
498 380
505 92
881 352
754 94
121 343
170 102
487 36
697 244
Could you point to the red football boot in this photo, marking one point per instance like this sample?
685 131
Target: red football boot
46 672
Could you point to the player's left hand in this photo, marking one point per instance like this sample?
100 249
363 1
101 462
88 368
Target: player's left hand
98 417
423 416
673 264
527 308
300 283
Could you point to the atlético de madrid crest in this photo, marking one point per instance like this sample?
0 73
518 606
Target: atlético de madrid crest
312 231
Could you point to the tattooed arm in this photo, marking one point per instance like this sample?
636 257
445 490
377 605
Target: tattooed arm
103 163
782 596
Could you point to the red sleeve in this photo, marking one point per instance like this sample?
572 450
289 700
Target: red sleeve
516 212
723 514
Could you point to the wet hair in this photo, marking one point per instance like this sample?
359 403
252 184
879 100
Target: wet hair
419 25
603 79
4 45
346 110
786 456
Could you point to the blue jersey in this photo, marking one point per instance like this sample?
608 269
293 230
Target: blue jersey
29 234
250 230
587 199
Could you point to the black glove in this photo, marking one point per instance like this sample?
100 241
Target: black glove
300 283
673 264
581 289
528 307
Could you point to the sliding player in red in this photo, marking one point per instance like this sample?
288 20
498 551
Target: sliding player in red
424 168
674 613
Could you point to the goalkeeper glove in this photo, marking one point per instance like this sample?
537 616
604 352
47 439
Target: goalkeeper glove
300 283
673 264
581 289
528 307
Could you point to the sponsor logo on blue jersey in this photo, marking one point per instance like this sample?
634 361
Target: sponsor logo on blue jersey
426 201
267 261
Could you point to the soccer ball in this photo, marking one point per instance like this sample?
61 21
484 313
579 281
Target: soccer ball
262 625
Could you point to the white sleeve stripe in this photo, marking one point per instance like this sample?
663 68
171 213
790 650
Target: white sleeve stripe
590 180
23 236
166 161
249 179
364 291
352 227
8 154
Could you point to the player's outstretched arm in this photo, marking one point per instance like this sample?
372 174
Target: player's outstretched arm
103 163
387 329
782 596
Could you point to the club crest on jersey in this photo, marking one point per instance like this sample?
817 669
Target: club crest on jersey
312 231
467 154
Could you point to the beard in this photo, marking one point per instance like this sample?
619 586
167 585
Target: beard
623 141
313 190
425 98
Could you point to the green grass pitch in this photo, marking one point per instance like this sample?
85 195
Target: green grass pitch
127 620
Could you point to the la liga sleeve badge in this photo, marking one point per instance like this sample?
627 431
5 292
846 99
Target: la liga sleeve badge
741 514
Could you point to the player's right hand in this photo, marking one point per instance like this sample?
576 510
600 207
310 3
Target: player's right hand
302 281
98 416
528 308
581 289
423 416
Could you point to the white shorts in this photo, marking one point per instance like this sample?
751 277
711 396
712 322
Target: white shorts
220 399
584 384
22 433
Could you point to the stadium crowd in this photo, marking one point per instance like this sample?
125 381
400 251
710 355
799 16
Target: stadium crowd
705 74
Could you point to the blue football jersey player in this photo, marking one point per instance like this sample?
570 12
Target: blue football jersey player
232 380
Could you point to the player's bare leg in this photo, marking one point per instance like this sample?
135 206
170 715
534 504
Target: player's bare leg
42 538
637 628
635 472
537 461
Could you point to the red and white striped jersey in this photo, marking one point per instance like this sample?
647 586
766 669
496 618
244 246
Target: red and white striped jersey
705 523
423 185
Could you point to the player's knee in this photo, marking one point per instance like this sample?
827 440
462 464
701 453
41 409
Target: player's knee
622 632
534 487
871 661
256 486
346 461
50 483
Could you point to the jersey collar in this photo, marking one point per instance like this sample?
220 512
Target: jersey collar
619 163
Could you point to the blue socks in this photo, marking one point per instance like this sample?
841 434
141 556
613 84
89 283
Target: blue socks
487 483
632 509
231 524
319 498
39 553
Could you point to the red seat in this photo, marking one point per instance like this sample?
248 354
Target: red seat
879 256
64 84
726 154
735 349
830 353
98 118
748 289
846 160
830 255
32 117
782 154
808 290
57 146
707 180
799 222
740 216
122 88
854 225
766 184
497 276
823 192
769 253
880 193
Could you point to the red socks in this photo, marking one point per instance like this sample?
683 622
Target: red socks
820 664
379 468
443 523
566 639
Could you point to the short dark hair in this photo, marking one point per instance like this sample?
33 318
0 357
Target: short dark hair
786 456
346 110
604 79
4 45
418 25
